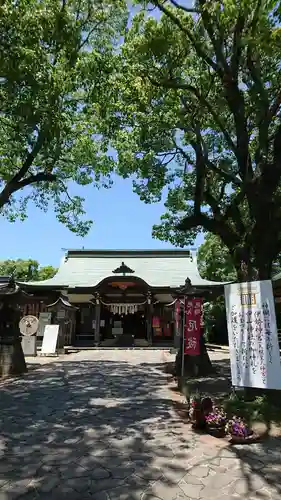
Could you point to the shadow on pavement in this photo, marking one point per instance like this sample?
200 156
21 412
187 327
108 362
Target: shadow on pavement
77 429
104 430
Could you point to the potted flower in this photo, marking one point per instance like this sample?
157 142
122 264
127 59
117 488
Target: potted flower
216 423
197 414
239 431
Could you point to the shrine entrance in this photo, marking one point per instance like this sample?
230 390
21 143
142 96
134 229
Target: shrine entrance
118 320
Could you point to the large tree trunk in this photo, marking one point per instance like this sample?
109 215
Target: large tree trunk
194 366
252 268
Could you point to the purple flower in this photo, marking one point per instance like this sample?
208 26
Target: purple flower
238 427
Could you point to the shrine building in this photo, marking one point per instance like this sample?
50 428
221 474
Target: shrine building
117 297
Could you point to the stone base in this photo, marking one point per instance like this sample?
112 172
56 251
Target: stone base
12 360
108 343
141 343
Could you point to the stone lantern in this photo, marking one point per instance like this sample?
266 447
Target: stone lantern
12 360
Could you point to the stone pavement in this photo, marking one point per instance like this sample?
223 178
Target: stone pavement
99 425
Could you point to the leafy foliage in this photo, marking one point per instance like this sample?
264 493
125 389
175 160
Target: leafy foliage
196 106
26 270
214 260
55 58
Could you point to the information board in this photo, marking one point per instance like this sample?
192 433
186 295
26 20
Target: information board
252 332
50 339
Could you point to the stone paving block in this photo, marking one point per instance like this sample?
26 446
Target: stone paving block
150 473
16 489
46 484
191 490
105 484
189 479
99 473
217 481
122 471
163 489
199 471
99 425
249 484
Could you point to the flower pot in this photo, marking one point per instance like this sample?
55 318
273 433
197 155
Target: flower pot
216 431
252 438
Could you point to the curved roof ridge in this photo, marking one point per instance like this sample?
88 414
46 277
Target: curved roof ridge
157 270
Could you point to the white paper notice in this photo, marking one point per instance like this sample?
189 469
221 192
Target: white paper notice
252 332
50 339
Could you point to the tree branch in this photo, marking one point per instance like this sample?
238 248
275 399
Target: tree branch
222 65
29 159
227 235
33 179
234 98
200 168
237 47
275 106
172 84
197 46
14 186
189 10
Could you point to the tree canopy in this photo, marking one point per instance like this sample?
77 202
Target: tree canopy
55 60
196 109
26 270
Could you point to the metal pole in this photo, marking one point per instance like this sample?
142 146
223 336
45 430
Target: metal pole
183 340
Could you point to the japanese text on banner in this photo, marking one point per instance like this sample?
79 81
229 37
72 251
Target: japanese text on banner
192 329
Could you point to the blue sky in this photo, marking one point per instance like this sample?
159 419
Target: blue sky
121 220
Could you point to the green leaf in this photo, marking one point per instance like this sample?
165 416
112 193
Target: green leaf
56 59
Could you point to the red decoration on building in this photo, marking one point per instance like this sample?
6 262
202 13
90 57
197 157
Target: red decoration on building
192 328
155 322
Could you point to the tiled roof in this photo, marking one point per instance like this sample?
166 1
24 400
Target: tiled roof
163 268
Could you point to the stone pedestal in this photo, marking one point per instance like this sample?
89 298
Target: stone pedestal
12 360
29 345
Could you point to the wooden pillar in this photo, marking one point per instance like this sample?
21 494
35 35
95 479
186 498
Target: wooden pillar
149 318
97 318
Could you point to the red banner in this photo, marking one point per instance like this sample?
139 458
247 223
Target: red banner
192 328
155 322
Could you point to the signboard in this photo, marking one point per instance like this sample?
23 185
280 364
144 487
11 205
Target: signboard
50 339
252 332
44 319
192 326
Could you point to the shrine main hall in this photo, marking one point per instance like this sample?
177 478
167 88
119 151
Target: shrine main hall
117 297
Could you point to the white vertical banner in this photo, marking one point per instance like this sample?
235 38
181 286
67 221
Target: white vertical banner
252 332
